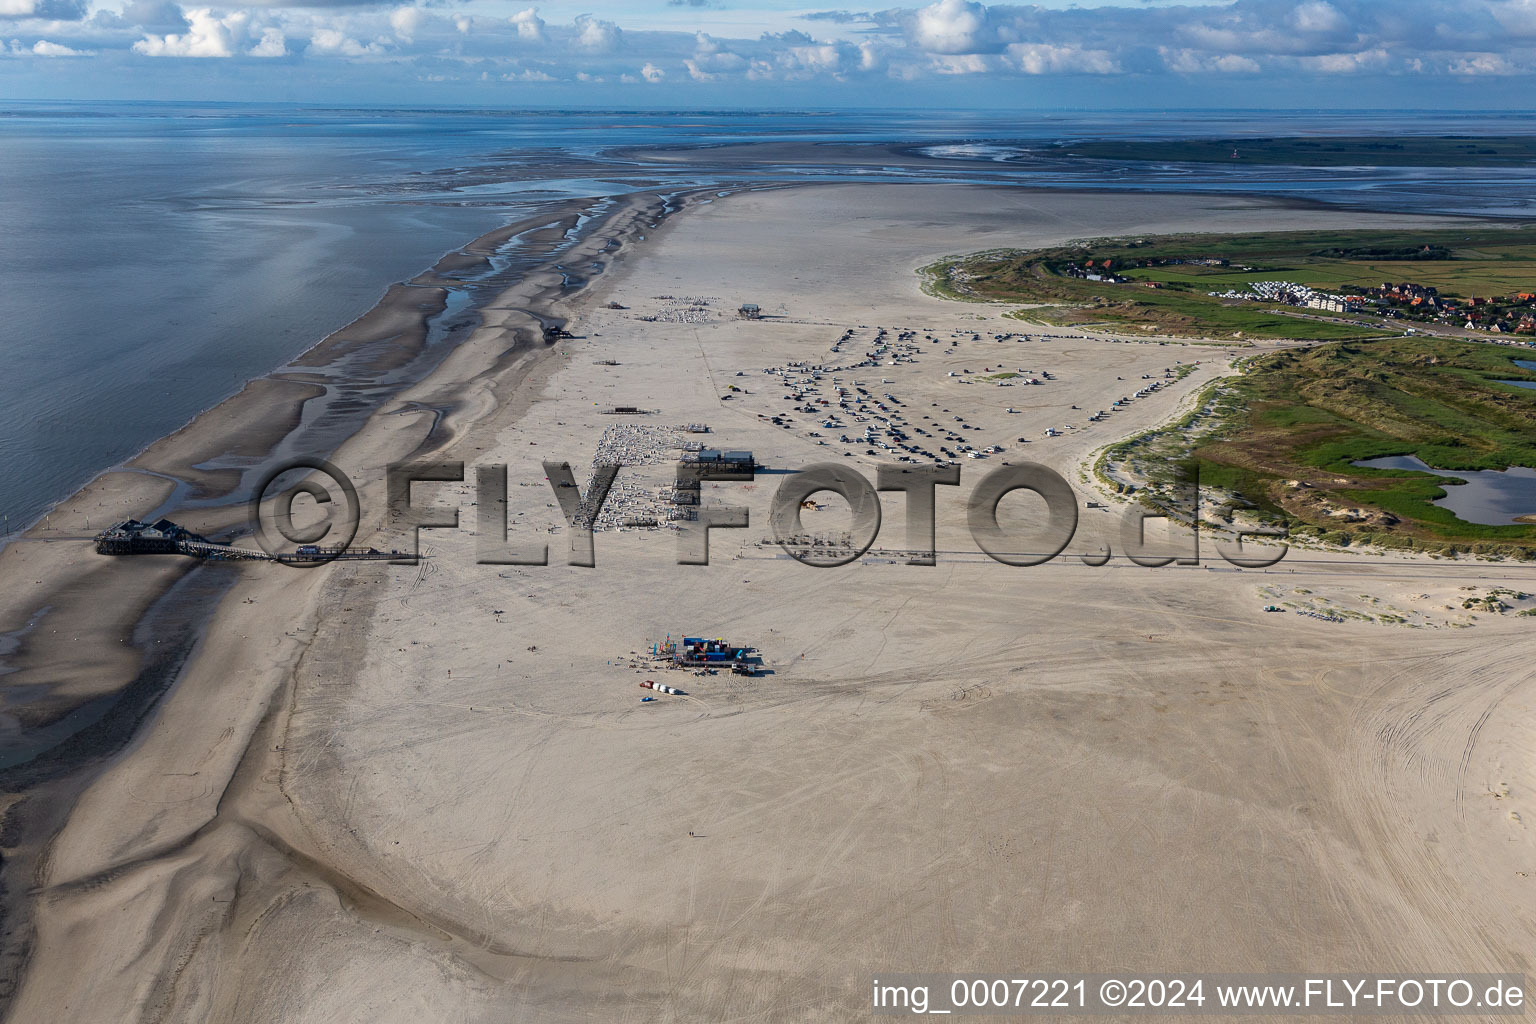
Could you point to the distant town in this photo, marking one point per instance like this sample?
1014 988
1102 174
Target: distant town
1512 314
1507 314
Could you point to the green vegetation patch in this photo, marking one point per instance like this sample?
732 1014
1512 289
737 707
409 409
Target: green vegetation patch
1296 422
1181 284
1386 253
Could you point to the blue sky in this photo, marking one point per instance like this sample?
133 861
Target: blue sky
1450 54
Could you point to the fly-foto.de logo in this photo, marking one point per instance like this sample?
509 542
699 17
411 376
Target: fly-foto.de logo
1023 541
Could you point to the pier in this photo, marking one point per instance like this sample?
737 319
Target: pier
164 537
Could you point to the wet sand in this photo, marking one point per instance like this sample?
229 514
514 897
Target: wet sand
83 649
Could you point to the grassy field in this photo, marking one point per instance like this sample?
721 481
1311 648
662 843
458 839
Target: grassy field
1483 261
1412 151
1071 302
1472 262
1296 422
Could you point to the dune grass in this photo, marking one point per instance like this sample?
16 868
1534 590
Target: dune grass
1308 415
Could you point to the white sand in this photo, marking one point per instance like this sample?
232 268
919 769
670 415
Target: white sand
373 800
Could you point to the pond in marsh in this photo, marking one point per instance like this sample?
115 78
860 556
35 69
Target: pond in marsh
1491 497
1524 364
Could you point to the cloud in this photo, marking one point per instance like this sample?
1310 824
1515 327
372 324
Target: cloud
1194 62
1318 16
309 5
407 21
1233 63
951 26
334 41
1293 41
712 60
1517 17
271 44
840 17
52 10
1483 64
822 59
43 48
1049 59
596 36
1344 63
154 14
793 37
960 64
207 35
529 25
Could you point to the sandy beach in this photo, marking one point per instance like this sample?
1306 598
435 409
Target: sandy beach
381 792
